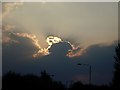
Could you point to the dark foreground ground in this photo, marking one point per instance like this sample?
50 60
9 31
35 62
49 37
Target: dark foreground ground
13 81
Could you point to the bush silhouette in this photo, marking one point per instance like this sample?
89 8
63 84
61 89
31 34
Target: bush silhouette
16 81
116 78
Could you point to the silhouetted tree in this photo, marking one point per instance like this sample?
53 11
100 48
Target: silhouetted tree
13 81
76 86
79 86
116 78
45 76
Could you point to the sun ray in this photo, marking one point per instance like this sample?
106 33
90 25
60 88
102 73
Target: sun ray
75 51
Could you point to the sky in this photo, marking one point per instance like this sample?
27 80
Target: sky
56 36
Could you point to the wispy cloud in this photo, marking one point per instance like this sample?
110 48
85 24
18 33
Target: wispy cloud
8 7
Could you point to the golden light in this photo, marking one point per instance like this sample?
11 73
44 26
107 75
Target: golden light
52 40
72 53
75 51
32 37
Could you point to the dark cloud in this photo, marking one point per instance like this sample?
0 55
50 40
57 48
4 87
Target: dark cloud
16 55
101 59
16 58
60 48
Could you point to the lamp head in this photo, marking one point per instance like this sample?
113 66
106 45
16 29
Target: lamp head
79 64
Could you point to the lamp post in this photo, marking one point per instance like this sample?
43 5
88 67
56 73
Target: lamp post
89 71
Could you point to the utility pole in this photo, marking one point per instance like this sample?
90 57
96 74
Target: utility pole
90 70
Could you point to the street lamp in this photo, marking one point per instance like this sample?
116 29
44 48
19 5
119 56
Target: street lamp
89 71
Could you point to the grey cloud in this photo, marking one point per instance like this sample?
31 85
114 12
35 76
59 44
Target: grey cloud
101 59
64 68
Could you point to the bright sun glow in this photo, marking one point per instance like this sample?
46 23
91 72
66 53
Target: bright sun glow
75 51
